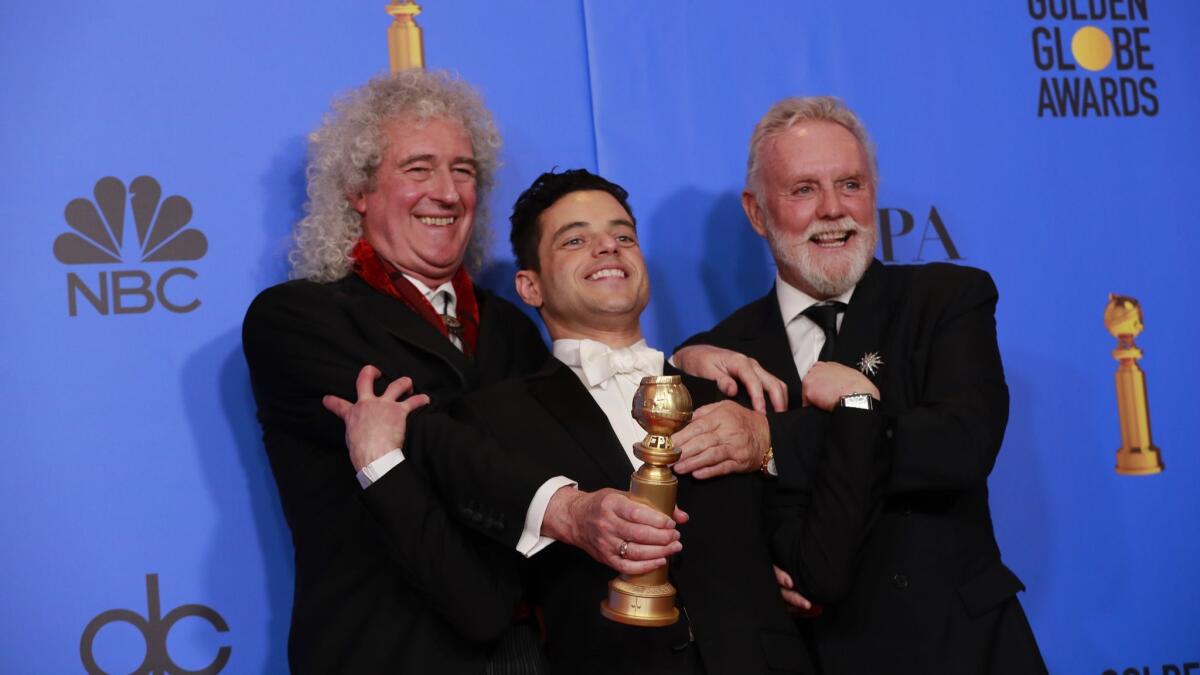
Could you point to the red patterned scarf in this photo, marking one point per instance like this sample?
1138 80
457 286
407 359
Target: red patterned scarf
383 277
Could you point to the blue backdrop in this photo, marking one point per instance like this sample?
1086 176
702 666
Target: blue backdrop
136 476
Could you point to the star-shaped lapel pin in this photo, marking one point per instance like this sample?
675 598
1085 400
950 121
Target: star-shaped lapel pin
870 363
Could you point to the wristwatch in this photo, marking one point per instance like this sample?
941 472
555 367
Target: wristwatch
859 401
767 467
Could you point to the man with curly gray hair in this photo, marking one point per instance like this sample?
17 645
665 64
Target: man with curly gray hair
348 151
397 179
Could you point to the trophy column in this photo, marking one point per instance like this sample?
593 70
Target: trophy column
662 406
406 49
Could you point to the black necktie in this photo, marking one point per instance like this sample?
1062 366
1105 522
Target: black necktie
825 315
453 326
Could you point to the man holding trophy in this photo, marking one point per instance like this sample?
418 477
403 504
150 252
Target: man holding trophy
398 178
580 265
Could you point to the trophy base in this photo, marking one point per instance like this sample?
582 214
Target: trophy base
636 605
1138 462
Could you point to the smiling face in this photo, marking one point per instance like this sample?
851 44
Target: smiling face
420 214
814 203
592 281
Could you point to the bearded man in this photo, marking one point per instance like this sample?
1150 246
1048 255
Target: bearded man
929 593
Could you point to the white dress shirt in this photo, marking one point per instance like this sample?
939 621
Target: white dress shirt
594 362
805 337
613 391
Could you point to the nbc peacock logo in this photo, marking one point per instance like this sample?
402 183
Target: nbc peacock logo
100 238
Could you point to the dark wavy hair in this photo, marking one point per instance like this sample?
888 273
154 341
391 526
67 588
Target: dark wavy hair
547 189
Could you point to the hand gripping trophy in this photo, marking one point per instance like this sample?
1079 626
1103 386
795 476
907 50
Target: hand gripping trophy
662 406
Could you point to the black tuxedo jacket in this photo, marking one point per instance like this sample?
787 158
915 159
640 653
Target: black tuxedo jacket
731 605
382 575
931 594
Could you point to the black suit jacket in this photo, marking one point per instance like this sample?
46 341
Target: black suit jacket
931 594
731 603
382 575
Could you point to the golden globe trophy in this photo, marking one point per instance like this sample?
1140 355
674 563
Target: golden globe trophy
662 406
1138 455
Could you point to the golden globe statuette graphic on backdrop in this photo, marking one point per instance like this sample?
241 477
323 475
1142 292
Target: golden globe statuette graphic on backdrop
1138 456
406 48
662 406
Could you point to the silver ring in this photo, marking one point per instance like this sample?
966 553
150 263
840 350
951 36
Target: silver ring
623 550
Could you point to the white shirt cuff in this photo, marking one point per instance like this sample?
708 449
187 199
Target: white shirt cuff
375 470
531 540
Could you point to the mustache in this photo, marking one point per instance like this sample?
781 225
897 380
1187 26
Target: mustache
843 224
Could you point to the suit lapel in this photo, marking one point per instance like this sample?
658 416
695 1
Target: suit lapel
494 347
864 322
765 339
564 397
411 329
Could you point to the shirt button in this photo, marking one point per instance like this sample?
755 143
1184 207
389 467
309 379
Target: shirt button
900 581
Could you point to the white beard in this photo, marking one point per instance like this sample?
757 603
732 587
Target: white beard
831 277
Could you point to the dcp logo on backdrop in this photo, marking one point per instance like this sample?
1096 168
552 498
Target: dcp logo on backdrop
163 236
1095 58
154 628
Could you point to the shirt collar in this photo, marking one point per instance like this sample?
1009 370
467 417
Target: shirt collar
567 350
649 361
430 294
793 301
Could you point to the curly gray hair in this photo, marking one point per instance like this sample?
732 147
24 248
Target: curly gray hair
349 146
791 111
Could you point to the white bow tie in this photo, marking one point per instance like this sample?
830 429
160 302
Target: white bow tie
600 363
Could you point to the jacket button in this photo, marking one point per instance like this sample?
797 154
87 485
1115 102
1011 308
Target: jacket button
900 581
888 433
